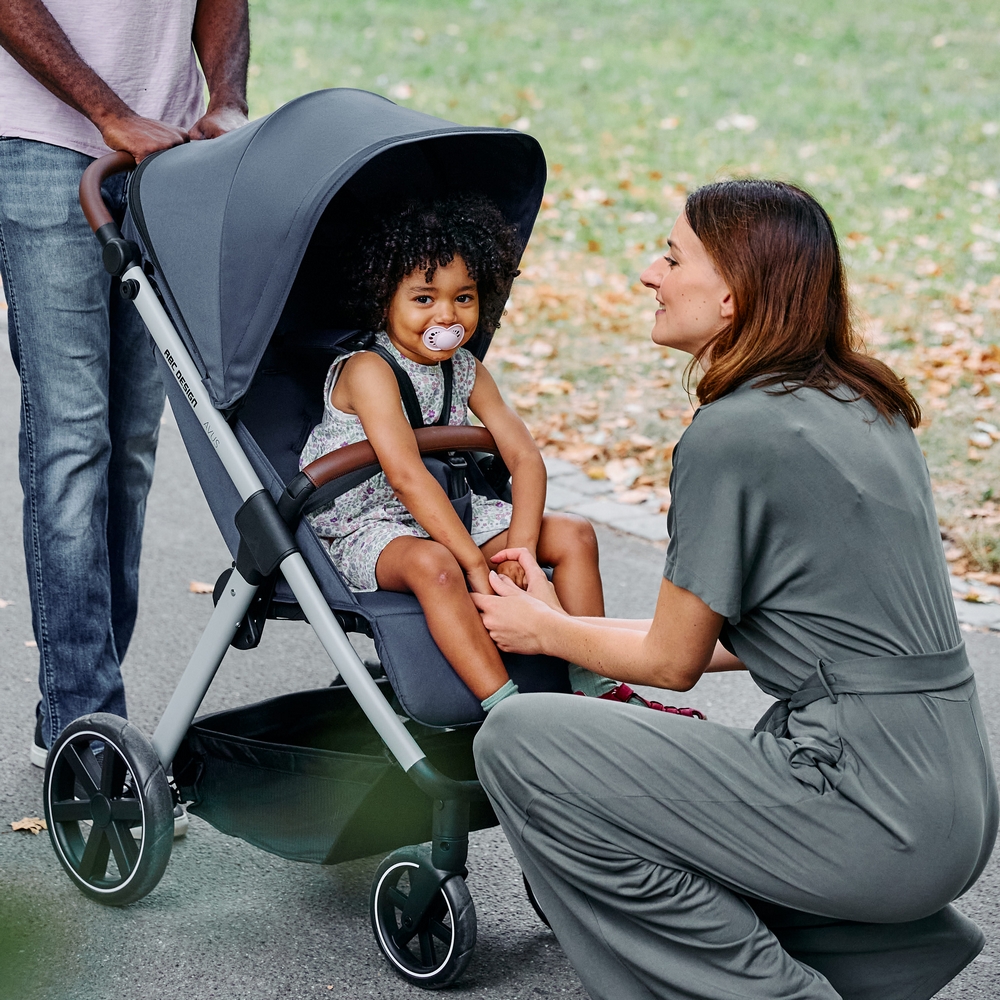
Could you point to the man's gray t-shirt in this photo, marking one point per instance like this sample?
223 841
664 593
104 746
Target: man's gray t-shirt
808 523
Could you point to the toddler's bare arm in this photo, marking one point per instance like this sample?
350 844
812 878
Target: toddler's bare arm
369 388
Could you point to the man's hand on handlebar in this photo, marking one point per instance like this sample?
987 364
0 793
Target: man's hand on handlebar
217 122
140 136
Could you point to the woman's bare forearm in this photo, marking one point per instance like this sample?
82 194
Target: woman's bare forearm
634 624
722 659
625 653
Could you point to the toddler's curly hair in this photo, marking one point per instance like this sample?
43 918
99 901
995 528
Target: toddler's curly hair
429 235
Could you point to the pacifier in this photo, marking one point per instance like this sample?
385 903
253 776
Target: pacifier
444 338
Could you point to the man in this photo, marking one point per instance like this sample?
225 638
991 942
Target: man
80 78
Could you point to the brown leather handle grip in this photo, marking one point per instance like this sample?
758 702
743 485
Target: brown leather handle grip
338 463
94 176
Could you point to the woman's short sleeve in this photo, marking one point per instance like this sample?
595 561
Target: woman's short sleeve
717 521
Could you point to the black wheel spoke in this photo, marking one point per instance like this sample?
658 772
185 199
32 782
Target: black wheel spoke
427 955
123 845
70 811
398 897
94 863
85 767
113 772
402 937
127 810
440 931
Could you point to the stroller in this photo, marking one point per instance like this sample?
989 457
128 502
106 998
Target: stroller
225 254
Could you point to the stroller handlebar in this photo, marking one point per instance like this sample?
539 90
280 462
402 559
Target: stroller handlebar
91 200
429 439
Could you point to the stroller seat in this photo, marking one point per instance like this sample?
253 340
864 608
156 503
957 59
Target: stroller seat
282 406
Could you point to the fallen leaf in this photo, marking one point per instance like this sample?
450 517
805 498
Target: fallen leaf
634 496
974 597
197 587
30 644
5 604
30 823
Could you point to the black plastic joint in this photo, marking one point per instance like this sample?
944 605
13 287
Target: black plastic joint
450 837
119 255
265 538
108 232
294 498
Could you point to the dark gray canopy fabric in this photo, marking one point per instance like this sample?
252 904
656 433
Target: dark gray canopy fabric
227 223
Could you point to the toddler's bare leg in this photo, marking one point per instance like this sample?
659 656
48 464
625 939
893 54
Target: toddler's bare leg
430 572
568 544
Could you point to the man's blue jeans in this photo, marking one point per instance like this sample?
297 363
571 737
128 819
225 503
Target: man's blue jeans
91 402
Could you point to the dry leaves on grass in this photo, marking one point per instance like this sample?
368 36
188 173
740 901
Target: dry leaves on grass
197 587
30 824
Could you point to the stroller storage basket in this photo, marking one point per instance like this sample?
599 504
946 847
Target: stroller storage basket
305 776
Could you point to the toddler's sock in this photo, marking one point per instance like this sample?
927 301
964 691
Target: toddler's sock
498 696
591 684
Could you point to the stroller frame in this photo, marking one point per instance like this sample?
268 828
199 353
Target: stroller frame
133 768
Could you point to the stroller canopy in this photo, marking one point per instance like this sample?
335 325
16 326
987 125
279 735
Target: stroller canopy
227 223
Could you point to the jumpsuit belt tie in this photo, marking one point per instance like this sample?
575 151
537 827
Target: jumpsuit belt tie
913 674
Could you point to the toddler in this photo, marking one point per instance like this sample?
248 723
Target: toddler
425 279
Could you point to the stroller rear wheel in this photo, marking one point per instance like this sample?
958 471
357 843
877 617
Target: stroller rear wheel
425 926
109 809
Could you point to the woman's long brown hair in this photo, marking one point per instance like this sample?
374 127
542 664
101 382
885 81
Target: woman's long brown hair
777 252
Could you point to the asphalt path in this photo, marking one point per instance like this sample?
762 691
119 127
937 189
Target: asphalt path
228 920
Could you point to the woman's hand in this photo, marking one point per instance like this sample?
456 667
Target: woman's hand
515 621
532 576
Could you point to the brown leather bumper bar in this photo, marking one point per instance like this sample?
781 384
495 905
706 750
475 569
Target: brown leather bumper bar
94 176
429 440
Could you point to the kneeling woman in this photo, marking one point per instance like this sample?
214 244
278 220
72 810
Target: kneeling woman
815 857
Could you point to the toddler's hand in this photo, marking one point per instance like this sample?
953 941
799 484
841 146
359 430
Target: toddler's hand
514 571
479 578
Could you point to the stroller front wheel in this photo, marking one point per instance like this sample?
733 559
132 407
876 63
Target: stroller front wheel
109 809
426 928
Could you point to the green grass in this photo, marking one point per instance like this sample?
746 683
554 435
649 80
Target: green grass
855 100
888 113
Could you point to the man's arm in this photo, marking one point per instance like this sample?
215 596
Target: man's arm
33 37
221 38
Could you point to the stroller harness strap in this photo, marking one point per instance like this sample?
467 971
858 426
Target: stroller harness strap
452 474
408 394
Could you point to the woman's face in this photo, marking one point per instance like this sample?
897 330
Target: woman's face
694 303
